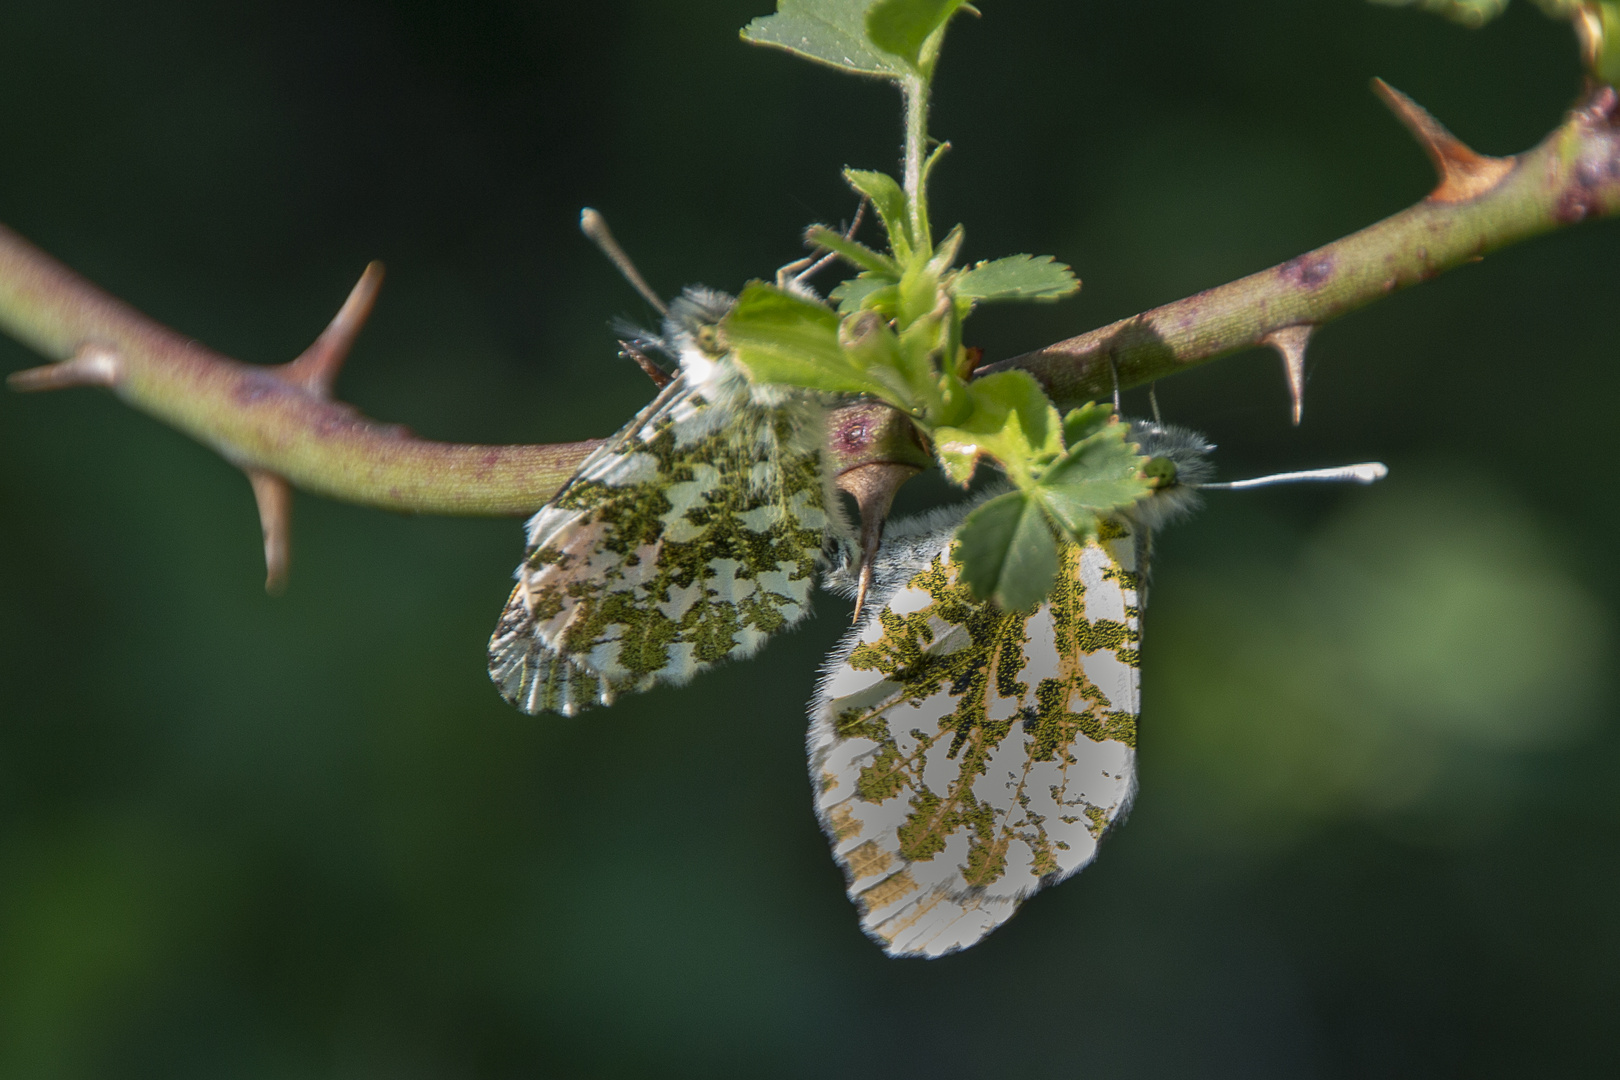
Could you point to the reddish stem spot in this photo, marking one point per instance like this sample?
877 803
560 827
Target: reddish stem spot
1307 271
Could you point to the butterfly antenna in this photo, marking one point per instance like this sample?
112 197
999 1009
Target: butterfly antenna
1365 473
594 225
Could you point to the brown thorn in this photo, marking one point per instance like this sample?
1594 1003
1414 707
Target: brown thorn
274 496
658 375
1290 342
1589 33
92 365
1463 173
873 487
317 366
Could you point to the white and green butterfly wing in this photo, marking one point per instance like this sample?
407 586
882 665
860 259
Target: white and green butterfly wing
965 757
687 539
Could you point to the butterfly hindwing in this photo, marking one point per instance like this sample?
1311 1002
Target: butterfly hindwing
964 756
687 539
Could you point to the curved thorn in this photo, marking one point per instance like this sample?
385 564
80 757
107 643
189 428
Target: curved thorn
1589 33
1290 343
274 496
873 487
92 365
1463 173
317 366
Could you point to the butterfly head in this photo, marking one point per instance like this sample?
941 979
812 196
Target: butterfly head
689 338
1178 465
691 333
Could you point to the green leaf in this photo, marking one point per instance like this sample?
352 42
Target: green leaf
889 200
1011 419
1086 421
957 461
1018 277
903 27
852 295
1100 474
831 32
919 294
779 337
945 254
857 253
869 344
1007 552
939 151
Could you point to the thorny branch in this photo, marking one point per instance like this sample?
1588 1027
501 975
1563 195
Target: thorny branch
280 425
1481 204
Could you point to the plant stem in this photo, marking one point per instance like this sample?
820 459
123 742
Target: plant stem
257 418
1574 174
914 88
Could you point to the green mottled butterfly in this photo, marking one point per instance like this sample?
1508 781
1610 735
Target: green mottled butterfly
687 539
964 757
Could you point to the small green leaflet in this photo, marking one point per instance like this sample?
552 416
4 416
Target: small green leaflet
781 338
831 32
852 251
1009 545
851 295
1017 277
893 209
903 27
886 38
1007 552
1011 419
1097 474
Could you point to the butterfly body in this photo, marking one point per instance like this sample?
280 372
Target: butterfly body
687 539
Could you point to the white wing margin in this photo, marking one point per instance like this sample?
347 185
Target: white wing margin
965 757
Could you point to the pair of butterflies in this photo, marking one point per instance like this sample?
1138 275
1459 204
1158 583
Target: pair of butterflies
962 756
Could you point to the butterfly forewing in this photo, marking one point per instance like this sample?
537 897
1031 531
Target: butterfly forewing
687 539
965 756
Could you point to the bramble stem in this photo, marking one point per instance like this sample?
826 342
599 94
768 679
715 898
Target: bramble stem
1572 175
259 418
253 415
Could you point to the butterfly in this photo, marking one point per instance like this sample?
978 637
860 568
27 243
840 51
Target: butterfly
964 757
688 538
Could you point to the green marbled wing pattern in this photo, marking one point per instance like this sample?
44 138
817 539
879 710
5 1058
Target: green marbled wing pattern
964 757
688 539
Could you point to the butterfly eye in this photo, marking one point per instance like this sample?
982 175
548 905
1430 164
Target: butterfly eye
1161 472
708 339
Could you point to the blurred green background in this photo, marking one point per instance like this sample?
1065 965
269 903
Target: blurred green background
1379 826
